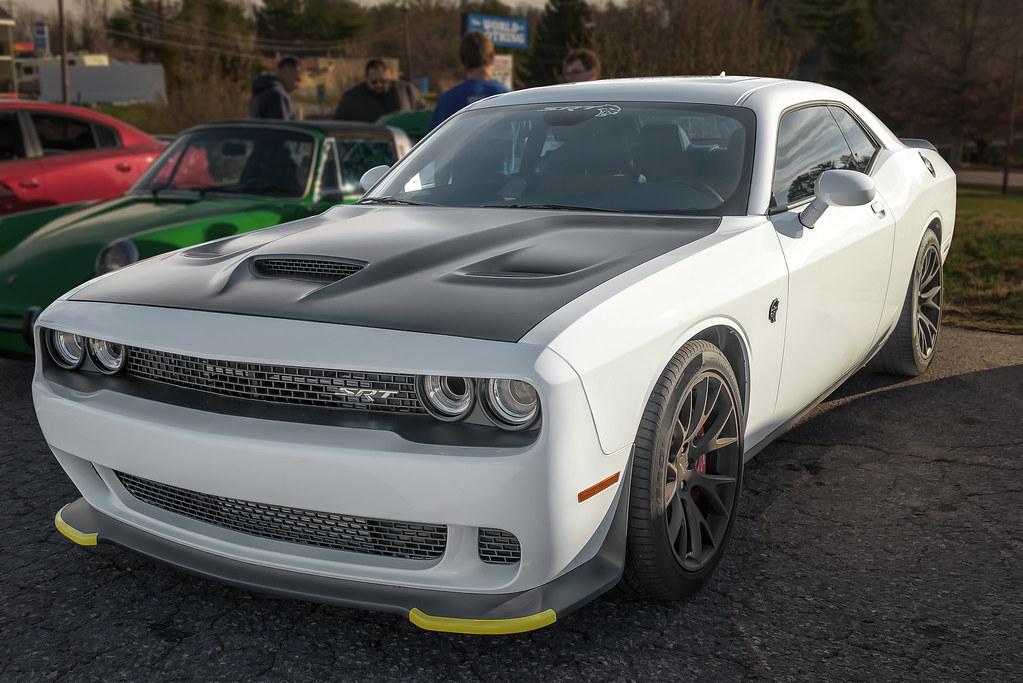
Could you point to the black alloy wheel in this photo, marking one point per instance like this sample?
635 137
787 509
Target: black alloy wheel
928 308
702 470
686 475
910 348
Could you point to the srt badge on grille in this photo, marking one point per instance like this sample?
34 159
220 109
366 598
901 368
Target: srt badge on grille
365 395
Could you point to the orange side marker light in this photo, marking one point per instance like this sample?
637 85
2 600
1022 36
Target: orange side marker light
599 486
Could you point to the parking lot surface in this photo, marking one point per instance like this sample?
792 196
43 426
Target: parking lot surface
881 539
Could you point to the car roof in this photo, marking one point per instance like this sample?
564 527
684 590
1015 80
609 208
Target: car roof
764 95
703 89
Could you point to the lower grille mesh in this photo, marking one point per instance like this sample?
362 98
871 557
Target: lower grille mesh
497 546
406 540
372 391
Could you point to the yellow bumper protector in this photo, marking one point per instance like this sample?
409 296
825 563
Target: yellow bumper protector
79 537
486 627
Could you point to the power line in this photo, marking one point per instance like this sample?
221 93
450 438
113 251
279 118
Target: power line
152 17
175 43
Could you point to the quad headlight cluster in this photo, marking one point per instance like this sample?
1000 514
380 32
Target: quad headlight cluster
68 350
510 403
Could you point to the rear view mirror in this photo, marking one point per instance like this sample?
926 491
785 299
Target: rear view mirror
370 177
838 188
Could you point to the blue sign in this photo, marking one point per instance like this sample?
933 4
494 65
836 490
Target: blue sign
504 31
41 36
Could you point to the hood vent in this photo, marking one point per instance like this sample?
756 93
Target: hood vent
306 268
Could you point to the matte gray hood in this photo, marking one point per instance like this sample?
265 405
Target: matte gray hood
481 273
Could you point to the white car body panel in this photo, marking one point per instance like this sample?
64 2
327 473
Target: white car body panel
804 308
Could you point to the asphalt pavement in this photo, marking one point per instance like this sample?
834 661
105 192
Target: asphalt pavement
881 539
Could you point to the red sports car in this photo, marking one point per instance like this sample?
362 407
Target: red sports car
56 154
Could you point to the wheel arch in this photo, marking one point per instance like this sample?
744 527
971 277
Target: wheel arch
934 223
726 334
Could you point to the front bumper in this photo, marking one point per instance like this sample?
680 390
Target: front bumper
433 610
570 551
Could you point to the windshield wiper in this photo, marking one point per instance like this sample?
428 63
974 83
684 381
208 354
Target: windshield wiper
553 207
391 200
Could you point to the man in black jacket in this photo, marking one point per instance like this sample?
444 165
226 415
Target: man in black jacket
271 93
378 95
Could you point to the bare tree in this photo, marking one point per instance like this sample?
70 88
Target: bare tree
662 38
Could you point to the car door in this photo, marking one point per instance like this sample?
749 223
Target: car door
838 270
76 167
21 179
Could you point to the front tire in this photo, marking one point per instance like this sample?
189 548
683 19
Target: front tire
910 349
686 475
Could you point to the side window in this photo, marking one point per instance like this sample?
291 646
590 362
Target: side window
863 148
12 145
809 143
329 178
106 136
62 134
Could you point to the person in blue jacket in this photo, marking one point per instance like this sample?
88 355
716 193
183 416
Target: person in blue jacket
477 56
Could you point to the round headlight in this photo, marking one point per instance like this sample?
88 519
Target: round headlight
514 403
108 356
115 256
66 349
447 398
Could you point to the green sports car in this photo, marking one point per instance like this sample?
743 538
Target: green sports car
212 181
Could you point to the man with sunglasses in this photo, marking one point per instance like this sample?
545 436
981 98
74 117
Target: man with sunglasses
380 94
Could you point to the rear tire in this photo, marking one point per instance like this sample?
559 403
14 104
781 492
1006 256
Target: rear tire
910 349
686 475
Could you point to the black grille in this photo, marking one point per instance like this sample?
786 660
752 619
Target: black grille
307 268
497 546
407 540
279 383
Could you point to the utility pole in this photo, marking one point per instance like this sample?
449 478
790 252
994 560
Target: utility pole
408 47
1012 119
64 85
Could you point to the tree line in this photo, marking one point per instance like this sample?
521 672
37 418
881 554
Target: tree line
940 69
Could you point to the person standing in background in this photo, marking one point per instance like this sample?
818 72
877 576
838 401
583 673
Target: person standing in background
581 65
271 93
380 94
477 56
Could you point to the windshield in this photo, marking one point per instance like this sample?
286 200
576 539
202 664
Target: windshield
271 162
358 155
630 157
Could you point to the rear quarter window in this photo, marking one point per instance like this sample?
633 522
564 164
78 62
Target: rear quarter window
106 136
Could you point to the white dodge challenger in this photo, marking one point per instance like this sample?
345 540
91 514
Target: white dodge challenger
530 363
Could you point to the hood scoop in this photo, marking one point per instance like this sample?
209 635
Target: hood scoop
309 268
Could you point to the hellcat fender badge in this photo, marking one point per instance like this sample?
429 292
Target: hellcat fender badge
772 312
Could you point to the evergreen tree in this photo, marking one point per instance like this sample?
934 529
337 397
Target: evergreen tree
564 25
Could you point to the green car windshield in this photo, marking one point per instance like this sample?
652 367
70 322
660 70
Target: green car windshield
253 161
636 157
358 155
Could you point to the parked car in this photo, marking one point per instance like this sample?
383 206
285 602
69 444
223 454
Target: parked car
532 361
55 154
416 124
213 181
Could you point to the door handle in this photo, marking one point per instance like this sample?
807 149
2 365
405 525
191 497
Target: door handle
123 166
28 183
